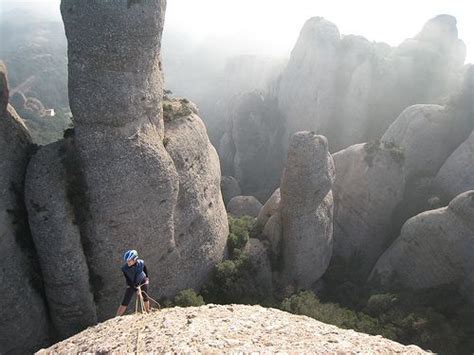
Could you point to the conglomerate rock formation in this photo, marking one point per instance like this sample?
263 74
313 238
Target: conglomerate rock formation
343 87
141 194
217 329
24 324
126 177
434 249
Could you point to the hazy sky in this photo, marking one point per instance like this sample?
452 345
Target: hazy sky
275 24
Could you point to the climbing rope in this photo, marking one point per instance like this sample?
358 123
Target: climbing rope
140 304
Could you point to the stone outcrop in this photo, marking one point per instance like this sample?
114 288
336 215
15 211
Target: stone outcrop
200 219
230 188
240 206
269 208
24 325
116 97
428 135
146 188
369 186
434 249
55 226
343 87
350 89
307 209
457 173
229 329
258 256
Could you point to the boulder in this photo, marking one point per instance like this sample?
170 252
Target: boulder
427 134
51 185
369 186
457 173
434 249
240 206
230 188
25 326
273 232
307 209
269 208
258 256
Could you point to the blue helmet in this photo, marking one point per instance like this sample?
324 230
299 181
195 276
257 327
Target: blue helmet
130 255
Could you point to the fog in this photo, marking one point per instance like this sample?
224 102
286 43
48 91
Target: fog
272 26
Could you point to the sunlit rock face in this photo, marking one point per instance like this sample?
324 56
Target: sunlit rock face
163 201
434 140
368 188
434 249
306 209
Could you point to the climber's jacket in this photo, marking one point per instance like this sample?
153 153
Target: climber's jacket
136 274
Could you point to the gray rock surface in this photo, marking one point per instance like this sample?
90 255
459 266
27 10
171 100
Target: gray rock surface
240 206
200 218
258 256
350 89
434 249
115 97
273 232
24 325
56 233
457 173
346 88
139 197
369 185
307 209
230 188
229 329
269 208
427 134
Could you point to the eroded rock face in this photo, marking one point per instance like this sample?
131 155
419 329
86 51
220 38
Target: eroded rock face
115 97
345 88
427 134
307 209
434 249
457 173
258 255
200 218
25 325
369 186
139 197
269 208
240 206
275 330
350 89
55 227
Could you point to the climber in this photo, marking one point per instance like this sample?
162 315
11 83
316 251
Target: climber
136 276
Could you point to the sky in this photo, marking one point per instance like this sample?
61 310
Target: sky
272 26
